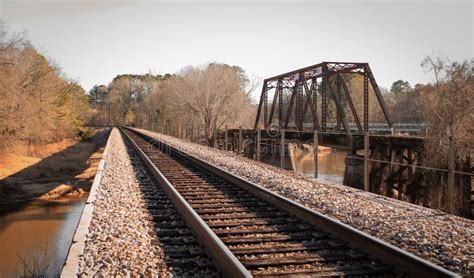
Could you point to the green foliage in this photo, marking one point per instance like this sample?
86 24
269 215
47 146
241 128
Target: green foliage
85 133
141 77
400 87
98 94
129 117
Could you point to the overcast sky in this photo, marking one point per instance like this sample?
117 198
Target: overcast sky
95 40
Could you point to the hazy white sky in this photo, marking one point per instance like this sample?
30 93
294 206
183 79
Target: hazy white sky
95 40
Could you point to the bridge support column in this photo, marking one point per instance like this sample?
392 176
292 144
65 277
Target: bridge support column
226 138
258 143
315 152
282 149
240 147
366 161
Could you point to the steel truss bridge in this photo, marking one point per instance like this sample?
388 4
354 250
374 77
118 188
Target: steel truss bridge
325 80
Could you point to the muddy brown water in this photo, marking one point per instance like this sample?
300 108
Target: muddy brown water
330 165
38 232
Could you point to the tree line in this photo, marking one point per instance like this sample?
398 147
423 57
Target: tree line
446 105
198 100
37 104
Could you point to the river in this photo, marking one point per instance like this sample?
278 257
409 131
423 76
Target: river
39 232
331 165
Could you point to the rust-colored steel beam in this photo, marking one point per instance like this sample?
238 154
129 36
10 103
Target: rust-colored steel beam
299 104
310 103
280 108
378 94
324 102
314 84
366 104
259 110
338 94
265 107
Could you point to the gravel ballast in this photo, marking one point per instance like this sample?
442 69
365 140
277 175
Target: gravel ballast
121 239
443 239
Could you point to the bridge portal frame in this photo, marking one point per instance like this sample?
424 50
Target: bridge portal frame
326 80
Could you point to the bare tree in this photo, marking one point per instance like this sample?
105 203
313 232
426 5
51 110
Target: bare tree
213 96
251 84
8 43
450 101
196 99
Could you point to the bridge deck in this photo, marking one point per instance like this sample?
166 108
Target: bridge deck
329 138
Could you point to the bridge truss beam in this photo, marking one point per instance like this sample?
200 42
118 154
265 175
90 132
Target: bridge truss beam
304 86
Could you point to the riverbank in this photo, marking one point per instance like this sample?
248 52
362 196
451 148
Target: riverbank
61 170
42 196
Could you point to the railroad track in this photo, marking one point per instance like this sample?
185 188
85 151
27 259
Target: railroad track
249 231
179 245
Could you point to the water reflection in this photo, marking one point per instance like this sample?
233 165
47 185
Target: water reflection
37 231
330 164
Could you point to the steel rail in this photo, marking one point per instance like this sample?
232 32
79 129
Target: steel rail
216 249
402 261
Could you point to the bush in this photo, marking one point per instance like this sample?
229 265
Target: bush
85 133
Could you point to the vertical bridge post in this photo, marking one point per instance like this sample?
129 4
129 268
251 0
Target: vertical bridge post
258 143
240 147
366 161
315 152
282 148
